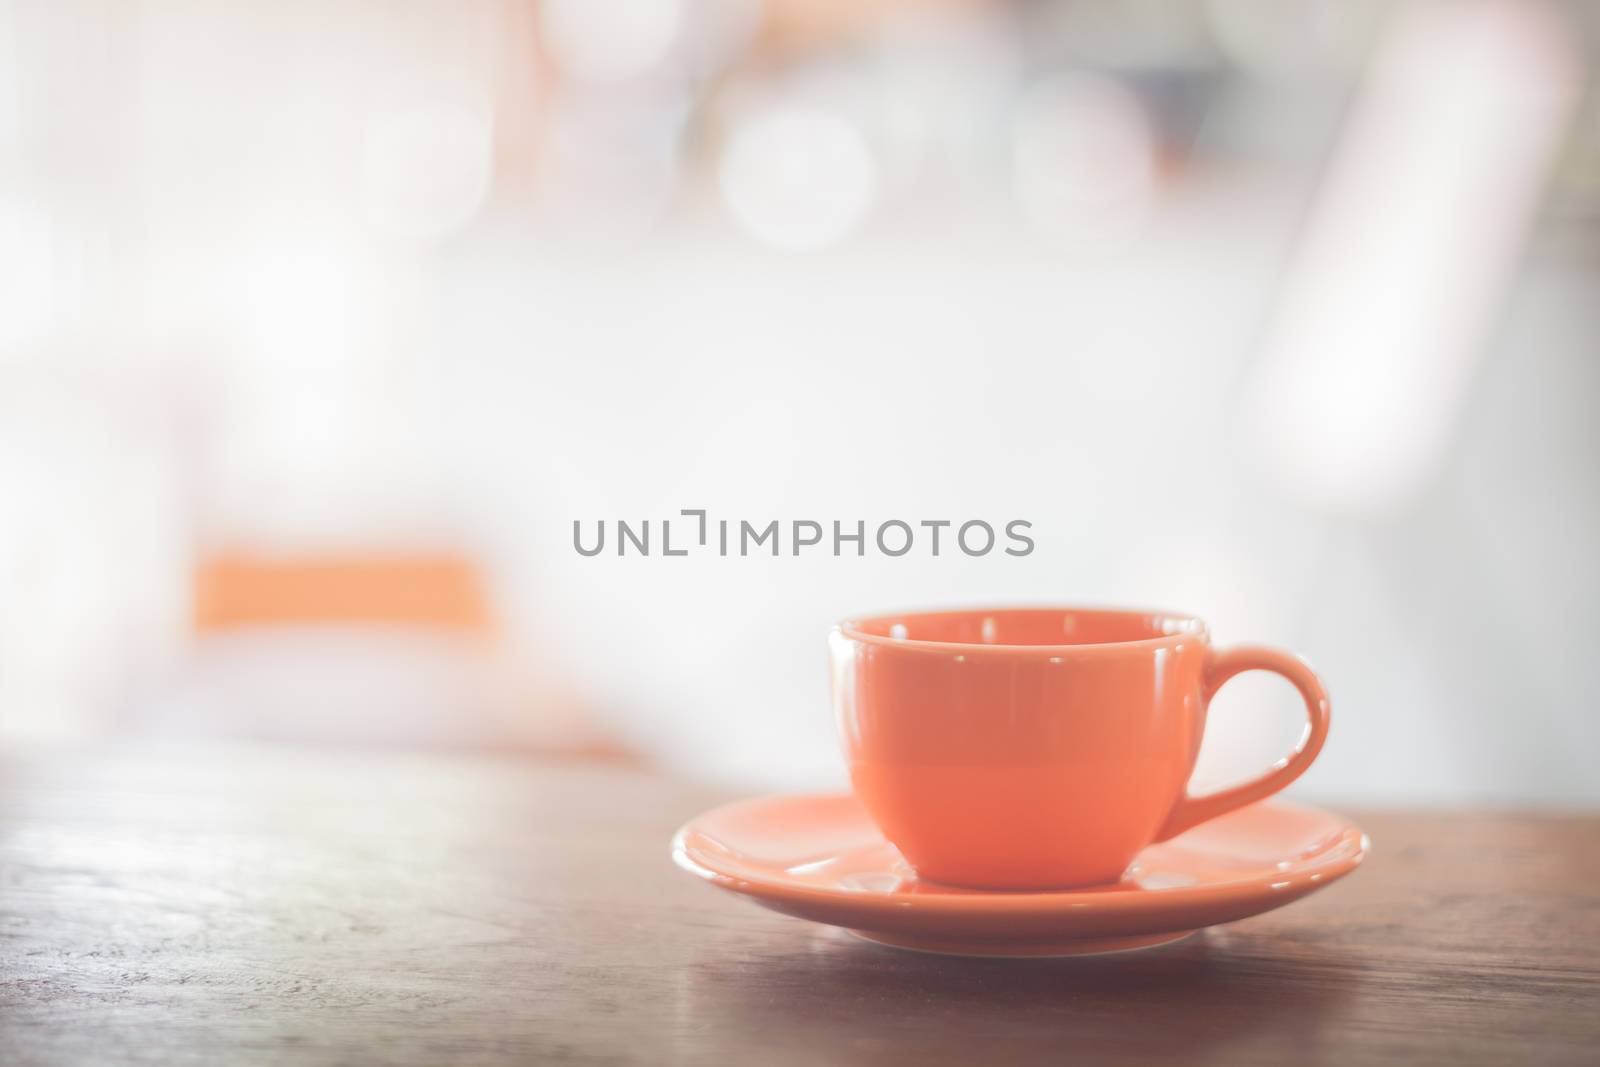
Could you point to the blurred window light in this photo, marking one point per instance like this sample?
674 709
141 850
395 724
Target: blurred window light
608 40
27 274
426 170
1407 251
11 98
797 178
1083 156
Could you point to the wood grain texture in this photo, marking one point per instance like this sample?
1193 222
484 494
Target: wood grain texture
253 907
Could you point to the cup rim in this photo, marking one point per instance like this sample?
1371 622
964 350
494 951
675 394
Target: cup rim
1183 625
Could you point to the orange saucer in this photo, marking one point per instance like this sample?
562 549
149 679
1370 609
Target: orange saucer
821 858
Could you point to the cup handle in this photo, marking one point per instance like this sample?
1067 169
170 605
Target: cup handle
1191 810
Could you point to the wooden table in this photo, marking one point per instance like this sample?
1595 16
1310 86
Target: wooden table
253 906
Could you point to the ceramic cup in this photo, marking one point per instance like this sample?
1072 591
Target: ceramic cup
1043 747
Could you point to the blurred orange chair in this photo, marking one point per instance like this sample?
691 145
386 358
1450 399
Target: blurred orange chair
440 591
381 650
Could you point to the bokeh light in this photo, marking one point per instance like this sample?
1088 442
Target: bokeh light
797 178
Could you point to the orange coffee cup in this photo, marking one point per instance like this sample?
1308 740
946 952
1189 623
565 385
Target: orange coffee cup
1041 747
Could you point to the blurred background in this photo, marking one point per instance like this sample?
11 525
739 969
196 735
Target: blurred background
320 324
